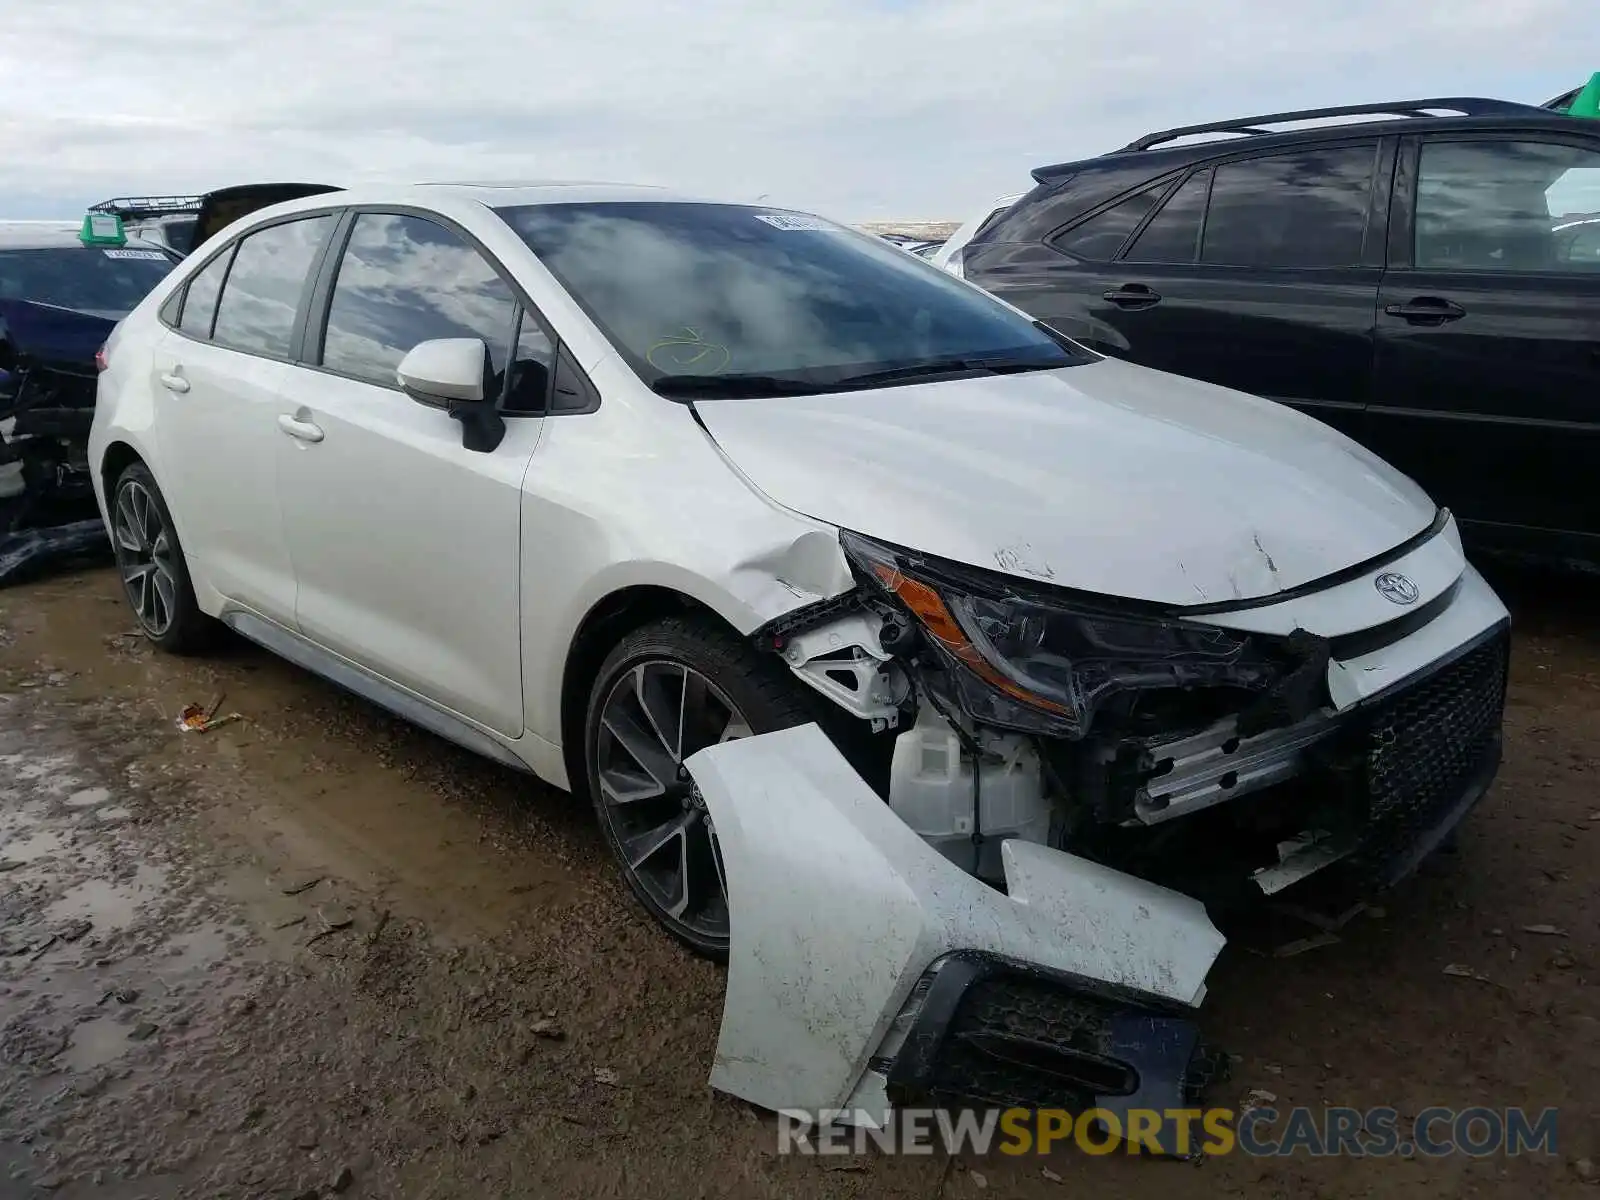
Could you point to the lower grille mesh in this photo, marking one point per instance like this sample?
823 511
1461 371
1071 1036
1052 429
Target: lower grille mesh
1028 1042
1426 746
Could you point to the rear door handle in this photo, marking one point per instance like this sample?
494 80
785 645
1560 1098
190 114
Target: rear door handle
1133 295
305 431
1426 310
174 382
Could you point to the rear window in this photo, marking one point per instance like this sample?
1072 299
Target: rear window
90 278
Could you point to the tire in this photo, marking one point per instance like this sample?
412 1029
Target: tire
762 697
155 575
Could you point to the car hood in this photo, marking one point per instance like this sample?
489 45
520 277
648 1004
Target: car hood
1108 477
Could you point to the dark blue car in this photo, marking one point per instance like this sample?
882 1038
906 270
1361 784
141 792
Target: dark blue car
60 296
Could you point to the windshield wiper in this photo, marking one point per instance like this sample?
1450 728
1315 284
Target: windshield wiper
951 366
753 386
733 386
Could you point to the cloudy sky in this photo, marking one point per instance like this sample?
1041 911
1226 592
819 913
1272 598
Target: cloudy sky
858 108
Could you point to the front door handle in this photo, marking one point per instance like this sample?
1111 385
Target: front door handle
1426 310
1133 295
174 382
305 431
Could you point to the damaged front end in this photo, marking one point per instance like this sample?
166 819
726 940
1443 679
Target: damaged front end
908 979
1001 889
1206 751
47 397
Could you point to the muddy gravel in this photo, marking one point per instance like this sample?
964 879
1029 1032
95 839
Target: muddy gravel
317 952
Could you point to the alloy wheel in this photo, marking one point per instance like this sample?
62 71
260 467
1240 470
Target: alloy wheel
656 715
144 549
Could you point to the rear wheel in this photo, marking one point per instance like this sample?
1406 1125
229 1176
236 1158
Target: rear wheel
668 690
155 577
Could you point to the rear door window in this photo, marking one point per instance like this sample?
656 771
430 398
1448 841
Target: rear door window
1100 237
1173 234
1305 208
261 296
405 280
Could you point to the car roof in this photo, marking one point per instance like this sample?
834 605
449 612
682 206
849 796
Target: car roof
490 195
553 191
494 194
39 235
1162 151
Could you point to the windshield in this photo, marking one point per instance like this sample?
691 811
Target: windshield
83 277
722 299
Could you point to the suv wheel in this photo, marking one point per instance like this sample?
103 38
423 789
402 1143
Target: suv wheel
669 689
155 577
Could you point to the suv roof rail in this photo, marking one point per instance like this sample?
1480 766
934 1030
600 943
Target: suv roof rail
134 207
1466 106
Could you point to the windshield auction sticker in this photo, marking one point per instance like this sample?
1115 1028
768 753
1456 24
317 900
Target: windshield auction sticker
796 222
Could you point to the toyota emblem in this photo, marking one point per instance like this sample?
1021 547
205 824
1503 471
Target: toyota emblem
1396 589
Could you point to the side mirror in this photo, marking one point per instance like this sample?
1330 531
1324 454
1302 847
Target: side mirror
449 373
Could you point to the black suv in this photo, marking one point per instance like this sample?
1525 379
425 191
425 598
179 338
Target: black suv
1426 279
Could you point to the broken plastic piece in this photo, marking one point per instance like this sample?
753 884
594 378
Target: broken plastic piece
839 909
196 718
1300 857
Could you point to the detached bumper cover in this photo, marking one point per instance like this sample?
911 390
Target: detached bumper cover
29 549
843 911
987 1032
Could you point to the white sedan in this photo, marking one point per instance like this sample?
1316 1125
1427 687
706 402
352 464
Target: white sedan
878 621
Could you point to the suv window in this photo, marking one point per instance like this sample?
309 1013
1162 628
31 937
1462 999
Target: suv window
1580 245
179 233
262 291
1100 237
1173 235
1496 205
405 280
200 299
1306 208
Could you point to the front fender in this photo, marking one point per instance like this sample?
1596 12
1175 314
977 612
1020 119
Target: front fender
839 908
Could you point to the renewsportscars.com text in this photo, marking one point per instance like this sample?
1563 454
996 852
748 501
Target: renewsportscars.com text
1436 1132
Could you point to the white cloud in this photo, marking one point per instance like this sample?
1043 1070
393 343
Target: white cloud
894 108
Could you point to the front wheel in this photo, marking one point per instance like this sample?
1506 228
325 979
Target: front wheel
668 690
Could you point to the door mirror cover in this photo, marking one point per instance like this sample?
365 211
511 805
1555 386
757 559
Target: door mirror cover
450 373
444 371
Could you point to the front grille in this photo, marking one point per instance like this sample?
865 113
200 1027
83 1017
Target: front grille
1426 748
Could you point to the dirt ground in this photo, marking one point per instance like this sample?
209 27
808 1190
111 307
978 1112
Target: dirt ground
318 951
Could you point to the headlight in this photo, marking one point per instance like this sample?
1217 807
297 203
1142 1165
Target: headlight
1025 660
